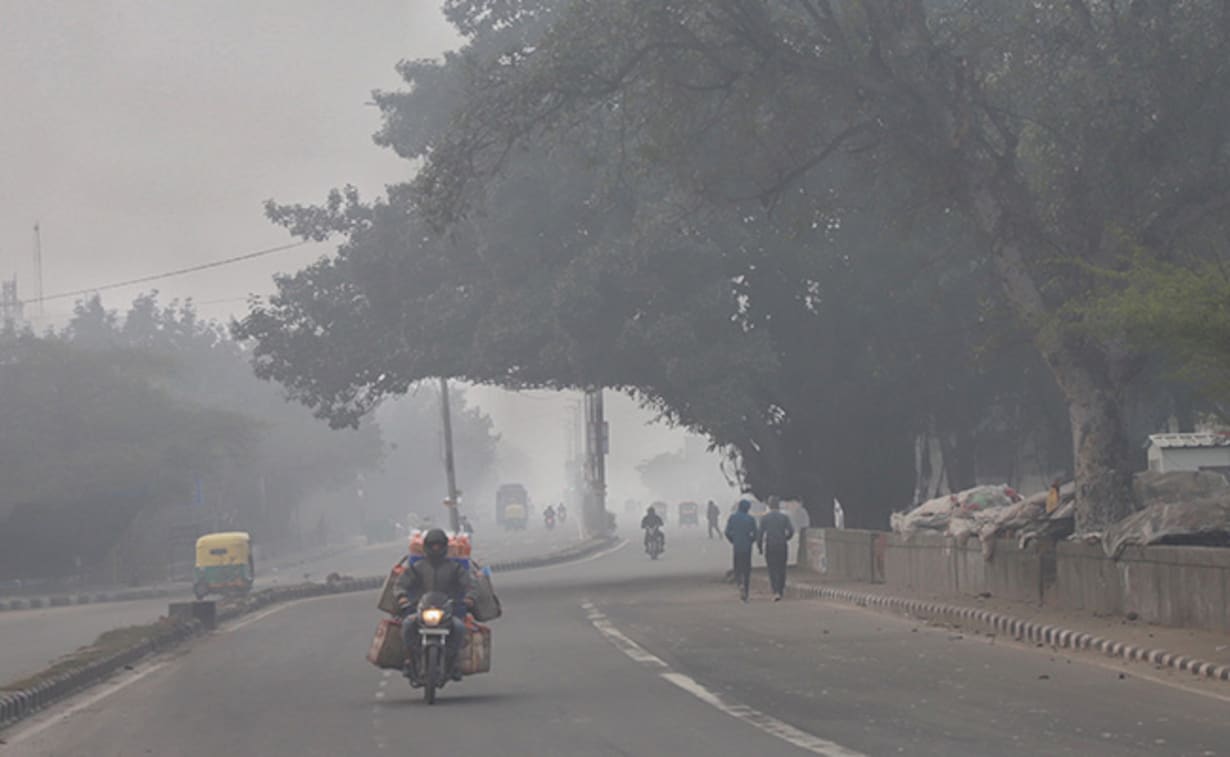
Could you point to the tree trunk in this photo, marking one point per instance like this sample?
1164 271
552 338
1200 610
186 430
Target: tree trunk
960 462
1103 476
1093 387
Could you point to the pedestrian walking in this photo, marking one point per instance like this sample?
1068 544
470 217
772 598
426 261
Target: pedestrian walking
773 540
741 533
713 512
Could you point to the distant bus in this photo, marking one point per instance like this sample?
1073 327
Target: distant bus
512 495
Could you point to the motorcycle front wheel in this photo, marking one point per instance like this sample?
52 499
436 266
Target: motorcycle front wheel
432 660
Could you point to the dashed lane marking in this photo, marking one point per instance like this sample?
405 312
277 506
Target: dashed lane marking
766 723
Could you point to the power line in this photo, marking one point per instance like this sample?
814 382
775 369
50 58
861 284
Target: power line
168 274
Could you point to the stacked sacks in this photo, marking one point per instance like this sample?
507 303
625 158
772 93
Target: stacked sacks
386 650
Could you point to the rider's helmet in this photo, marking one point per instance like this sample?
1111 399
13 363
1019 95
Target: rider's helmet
435 544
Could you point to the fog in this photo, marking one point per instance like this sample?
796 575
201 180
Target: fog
144 136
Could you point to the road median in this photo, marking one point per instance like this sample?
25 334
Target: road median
122 648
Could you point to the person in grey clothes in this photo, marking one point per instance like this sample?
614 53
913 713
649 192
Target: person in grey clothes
773 541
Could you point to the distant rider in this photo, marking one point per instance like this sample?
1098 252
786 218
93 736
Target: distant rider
434 573
649 523
562 512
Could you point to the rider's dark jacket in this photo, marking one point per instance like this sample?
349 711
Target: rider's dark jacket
652 521
446 576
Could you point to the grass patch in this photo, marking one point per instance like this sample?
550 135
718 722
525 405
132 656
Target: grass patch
107 644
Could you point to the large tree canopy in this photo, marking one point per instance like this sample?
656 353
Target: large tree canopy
810 232
1057 130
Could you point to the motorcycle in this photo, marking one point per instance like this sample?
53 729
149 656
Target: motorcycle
655 542
548 519
435 622
563 515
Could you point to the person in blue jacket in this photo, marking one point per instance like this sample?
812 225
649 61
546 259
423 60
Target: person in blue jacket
741 533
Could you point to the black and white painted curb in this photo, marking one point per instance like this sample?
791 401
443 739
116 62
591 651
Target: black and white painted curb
16 705
1021 630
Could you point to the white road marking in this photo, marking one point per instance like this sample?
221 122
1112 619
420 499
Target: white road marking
767 723
596 556
626 645
55 716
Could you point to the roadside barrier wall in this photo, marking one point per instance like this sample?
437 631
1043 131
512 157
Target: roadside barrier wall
1183 587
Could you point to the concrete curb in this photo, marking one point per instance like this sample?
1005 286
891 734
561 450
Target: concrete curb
1018 629
17 705
128 595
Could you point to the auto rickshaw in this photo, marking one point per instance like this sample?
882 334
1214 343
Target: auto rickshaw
515 517
689 514
224 564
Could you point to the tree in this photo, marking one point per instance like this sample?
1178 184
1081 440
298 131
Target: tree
816 337
1055 130
1178 309
91 442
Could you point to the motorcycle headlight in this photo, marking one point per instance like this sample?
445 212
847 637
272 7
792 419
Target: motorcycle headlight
433 616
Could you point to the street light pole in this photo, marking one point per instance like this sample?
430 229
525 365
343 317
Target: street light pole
454 519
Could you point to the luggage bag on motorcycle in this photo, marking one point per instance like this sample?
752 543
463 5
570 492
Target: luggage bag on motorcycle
486 603
387 650
388 598
476 650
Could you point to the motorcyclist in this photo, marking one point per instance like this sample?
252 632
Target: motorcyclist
562 512
434 573
548 516
652 523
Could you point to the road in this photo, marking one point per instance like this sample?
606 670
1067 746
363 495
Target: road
619 655
33 638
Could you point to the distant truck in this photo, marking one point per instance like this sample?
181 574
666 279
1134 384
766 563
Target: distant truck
512 506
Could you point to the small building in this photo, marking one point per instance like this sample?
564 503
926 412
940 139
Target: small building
1205 451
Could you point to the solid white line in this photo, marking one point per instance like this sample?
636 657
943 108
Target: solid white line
55 716
626 645
767 723
596 556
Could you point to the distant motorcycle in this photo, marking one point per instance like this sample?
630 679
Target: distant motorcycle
655 542
435 623
548 520
563 514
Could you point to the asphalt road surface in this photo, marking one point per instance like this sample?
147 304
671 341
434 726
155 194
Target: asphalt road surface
619 655
33 638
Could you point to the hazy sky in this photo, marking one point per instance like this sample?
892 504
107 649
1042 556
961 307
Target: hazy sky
144 135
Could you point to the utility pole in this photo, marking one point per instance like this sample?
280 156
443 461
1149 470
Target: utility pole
38 269
454 518
597 444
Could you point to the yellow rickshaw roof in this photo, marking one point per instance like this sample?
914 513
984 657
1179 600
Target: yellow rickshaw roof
226 537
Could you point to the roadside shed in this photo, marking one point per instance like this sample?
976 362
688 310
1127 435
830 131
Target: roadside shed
1205 451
